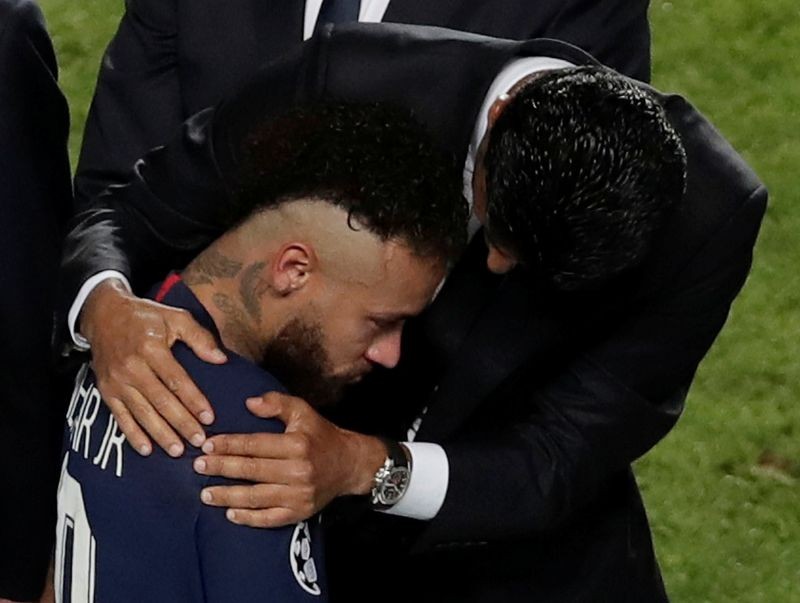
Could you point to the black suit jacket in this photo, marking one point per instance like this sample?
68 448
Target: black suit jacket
172 58
35 201
540 402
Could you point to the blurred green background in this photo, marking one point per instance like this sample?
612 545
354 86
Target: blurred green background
722 488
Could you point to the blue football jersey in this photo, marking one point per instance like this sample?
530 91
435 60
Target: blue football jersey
133 529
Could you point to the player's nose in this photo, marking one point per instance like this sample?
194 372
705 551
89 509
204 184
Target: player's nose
386 349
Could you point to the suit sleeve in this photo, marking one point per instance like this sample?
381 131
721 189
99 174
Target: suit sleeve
615 32
137 100
35 200
174 202
603 411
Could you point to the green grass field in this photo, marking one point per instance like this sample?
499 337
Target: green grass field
722 488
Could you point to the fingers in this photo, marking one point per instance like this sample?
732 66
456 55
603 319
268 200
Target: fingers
262 445
148 402
264 518
269 405
152 406
268 471
296 473
276 405
128 425
178 418
149 419
134 365
181 326
201 342
260 505
174 387
257 496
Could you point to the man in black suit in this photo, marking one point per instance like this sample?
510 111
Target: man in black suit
35 201
538 400
170 59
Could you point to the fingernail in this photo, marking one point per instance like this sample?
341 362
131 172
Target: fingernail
206 496
145 450
231 515
206 417
175 450
197 440
219 356
208 447
200 465
252 400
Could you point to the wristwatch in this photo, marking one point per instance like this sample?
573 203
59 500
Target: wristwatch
391 480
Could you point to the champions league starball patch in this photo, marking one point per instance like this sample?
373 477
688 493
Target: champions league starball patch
303 567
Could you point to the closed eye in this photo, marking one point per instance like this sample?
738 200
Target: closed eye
387 324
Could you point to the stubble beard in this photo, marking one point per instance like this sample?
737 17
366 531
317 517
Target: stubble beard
296 356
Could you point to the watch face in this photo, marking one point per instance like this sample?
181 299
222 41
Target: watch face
393 488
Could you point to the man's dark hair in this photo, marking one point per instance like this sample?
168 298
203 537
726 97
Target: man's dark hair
373 160
582 169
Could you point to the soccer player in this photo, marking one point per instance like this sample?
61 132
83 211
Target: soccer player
330 247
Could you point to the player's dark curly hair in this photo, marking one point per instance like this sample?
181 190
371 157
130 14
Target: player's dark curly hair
582 168
373 160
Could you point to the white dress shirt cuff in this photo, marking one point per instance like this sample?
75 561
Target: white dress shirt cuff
75 310
430 474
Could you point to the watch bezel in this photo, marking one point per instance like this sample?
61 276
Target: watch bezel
390 492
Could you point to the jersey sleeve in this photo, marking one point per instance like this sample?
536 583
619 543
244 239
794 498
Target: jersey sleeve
239 563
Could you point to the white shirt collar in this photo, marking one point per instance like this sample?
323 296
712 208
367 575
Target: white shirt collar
371 11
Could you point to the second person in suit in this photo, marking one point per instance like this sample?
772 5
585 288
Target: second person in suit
35 203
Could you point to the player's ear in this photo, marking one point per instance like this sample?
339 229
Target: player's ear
294 263
497 108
